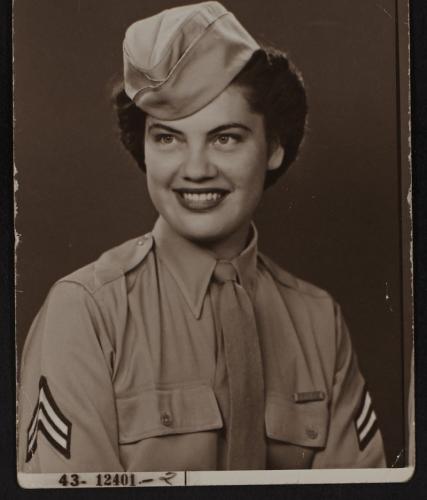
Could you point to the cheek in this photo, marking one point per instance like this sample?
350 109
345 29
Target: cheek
249 170
160 168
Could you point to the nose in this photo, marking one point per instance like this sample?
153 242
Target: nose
197 166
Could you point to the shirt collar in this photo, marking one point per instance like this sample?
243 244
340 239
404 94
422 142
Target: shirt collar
192 266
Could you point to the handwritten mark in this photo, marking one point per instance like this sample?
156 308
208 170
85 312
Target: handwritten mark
167 477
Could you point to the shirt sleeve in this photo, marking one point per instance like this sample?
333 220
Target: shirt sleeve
67 414
354 438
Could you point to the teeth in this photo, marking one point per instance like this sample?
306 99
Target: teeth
201 196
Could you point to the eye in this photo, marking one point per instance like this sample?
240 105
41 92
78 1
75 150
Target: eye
164 139
227 139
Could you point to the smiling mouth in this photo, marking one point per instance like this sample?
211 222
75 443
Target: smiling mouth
200 199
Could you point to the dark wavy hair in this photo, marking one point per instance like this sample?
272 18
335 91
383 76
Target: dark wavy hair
272 87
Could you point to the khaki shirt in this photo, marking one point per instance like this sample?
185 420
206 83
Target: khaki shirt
123 370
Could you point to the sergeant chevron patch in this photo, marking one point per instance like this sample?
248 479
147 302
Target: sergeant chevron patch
365 420
50 421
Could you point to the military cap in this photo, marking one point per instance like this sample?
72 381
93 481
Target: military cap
179 60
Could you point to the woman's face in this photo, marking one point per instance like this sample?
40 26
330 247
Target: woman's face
206 172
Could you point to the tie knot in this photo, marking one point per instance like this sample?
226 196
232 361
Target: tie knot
224 271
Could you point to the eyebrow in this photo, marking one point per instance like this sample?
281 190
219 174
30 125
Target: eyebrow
215 130
226 126
164 127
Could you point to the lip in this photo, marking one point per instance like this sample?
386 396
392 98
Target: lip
200 199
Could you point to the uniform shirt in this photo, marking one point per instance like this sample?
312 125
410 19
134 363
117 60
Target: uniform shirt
123 368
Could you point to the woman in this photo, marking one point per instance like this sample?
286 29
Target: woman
187 349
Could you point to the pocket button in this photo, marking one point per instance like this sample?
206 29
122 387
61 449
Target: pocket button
311 433
166 419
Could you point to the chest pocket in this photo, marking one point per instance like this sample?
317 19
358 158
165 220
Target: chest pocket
295 431
169 429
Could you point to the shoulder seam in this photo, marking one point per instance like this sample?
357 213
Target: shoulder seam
110 266
143 246
80 284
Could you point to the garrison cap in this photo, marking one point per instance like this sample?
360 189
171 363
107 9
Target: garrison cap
179 60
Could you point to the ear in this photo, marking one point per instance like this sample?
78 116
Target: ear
275 159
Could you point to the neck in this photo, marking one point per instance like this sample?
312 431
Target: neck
230 247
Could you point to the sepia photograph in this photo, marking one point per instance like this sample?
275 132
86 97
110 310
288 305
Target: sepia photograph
213 258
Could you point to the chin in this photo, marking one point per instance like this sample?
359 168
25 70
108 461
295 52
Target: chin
202 233
200 228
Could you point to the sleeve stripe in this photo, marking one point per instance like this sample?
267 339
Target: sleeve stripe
54 421
43 414
52 413
49 419
53 442
31 442
33 422
52 431
365 420
364 442
368 426
43 417
365 410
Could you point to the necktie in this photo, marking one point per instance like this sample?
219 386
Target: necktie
245 428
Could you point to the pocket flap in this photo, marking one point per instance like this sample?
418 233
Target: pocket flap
304 424
161 412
